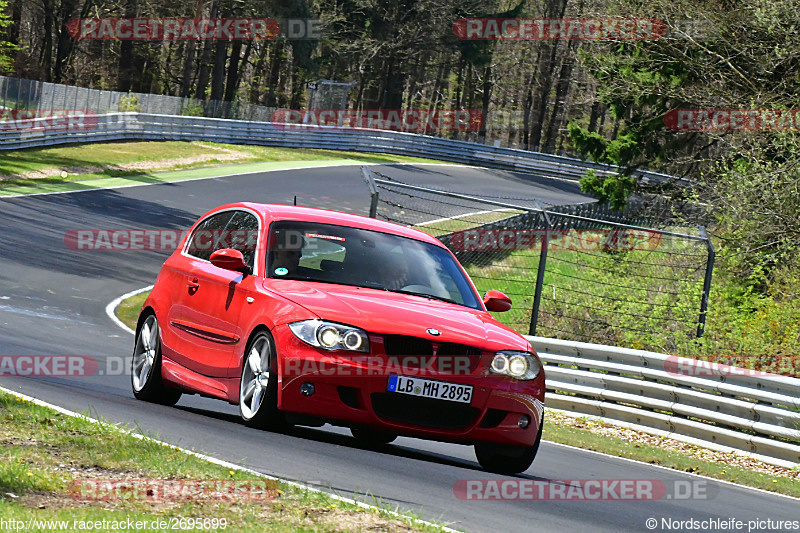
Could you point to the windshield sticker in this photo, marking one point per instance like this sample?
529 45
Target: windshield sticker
281 271
330 237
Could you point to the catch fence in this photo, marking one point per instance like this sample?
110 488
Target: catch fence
575 272
42 97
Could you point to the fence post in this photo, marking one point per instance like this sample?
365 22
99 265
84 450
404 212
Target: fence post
537 295
701 325
369 177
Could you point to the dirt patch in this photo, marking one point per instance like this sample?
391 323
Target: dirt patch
350 521
222 155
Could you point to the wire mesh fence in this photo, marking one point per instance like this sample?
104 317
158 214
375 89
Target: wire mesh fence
41 97
581 272
329 94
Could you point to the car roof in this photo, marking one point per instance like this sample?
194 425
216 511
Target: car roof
272 212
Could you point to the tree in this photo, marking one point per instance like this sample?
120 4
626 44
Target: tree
745 58
6 46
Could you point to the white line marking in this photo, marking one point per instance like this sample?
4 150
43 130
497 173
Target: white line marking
463 215
223 463
167 181
111 308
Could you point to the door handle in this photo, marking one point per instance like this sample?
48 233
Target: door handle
193 283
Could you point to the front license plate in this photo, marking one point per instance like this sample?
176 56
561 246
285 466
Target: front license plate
429 388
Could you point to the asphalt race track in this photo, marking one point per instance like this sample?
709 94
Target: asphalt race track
53 299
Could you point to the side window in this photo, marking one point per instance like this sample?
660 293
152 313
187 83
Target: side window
241 234
206 237
231 229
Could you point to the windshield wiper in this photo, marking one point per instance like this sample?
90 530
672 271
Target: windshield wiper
425 295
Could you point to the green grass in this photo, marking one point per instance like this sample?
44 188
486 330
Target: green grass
128 309
45 456
104 160
599 297
467 221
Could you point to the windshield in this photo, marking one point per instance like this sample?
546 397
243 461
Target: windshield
348 256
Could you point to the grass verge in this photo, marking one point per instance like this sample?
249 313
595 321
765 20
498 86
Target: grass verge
128 309
120 159
53 466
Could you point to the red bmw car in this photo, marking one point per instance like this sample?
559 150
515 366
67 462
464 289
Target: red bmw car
308 316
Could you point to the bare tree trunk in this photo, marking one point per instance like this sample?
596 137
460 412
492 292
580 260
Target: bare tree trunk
258 80
526 118
298 86
188 63
46 53
125 64
276 61
562 93
485 100
594 114
205 59
232 82
218 73
547 64
12 32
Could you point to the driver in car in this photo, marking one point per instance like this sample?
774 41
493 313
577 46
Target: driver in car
286 253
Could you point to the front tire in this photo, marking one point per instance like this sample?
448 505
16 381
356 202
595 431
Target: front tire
258 387
506 459
146 379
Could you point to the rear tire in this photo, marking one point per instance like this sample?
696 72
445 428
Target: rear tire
371 437
258 386
146 379
506 459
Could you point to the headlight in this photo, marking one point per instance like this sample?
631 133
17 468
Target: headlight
519 365
331 336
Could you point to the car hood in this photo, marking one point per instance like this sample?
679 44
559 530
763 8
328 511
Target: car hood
387 312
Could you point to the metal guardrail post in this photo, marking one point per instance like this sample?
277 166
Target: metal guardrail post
701 324
537 295
369 177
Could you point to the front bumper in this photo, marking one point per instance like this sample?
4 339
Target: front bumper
351 389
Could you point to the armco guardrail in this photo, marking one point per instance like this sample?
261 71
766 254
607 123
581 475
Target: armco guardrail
729 406
140 126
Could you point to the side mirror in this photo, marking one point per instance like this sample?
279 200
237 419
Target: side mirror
229 259
496 301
